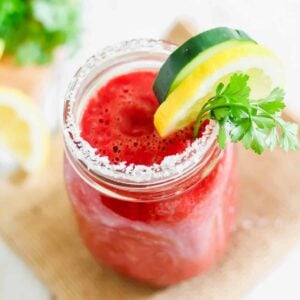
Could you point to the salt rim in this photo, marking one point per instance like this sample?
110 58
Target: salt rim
82 151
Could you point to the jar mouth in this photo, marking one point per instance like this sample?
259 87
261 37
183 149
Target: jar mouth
101 167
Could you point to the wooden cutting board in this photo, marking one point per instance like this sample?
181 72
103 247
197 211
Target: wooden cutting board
29 79
37 222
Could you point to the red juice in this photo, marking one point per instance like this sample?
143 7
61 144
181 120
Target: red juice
180 227
118 122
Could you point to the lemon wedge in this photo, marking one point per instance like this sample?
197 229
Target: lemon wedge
182 105
23 132
1 47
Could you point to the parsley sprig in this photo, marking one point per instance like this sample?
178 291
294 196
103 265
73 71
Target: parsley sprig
257 123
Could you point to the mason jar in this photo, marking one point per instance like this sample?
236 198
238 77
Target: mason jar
158 224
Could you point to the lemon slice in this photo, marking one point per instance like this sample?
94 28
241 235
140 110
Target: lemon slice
1 47
184 103
23 132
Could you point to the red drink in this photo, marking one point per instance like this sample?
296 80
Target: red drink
166 212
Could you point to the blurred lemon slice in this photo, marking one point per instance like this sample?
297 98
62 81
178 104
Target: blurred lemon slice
22 130
1 47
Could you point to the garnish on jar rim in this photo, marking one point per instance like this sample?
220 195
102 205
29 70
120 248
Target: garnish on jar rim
199 91
257 123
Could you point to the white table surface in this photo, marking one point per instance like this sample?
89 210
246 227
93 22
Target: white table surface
274 23
17 282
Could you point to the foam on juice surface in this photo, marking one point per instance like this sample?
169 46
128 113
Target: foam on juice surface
118 122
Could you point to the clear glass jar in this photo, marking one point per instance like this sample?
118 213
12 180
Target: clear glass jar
159 224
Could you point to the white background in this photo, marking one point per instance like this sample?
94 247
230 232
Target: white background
274 23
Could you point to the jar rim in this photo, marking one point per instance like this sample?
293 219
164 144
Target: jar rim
171 166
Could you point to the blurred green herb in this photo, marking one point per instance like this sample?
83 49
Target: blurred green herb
33 29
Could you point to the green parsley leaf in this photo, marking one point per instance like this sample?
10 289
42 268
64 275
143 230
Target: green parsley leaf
274 102
221 113
289 138
221 138
239 129
272 139
237 89
219 88
263 122
258 124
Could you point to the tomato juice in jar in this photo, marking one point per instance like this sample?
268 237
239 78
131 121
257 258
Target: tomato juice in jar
157 210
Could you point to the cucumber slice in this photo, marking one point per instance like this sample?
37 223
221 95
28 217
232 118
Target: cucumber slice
190 55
